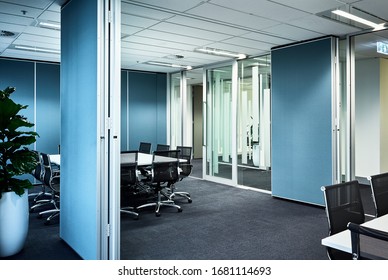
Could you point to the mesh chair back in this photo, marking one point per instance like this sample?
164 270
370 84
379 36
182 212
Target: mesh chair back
145 148
368 243
162 147
379 185
186 153
38 171
343 205
53 182
169 153
165 172
128 174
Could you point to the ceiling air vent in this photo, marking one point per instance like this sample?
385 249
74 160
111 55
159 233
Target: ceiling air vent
4 33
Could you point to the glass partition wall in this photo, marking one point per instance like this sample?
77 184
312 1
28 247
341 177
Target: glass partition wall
253 123
238 121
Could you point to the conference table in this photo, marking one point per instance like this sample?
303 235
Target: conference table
342 240
143 160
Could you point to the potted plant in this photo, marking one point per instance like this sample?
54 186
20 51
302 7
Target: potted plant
15 160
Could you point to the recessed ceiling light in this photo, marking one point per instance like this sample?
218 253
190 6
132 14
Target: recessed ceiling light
187 67
366 22
50 25
221 52
36 49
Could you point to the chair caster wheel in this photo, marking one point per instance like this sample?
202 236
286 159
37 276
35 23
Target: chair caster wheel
47 223
39 216
157 214
189 200
180 209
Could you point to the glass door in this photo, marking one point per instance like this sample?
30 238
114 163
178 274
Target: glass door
219 122
254 123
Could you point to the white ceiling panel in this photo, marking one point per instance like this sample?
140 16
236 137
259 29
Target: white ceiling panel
153 49
39 4
45 32
324 26
40 39
51 16
232 17
249 43
12 19
311 6
235 48
175 5
207 24
137 21
163 36
129 30
267 38
32 55
194 32
156 42
12 27
150 13
376 7
263 8
292 32
44 45
17 10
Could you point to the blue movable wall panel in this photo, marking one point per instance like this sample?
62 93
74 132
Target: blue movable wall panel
48 117
80 207
302 120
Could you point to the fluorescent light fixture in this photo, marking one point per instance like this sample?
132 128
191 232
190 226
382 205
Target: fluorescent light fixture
187 67
35 49
221 52
50 25
359 19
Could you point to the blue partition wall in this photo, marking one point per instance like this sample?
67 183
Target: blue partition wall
37 85
143 109
80 207
302 120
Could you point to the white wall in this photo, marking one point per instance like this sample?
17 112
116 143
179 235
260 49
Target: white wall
367 118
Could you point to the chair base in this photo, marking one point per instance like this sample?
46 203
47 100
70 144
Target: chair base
55 212
128 210
158 204
182 194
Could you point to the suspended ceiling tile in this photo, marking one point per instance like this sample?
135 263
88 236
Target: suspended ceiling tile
39 4
176 5
137 21
38 44
311 6
207 25
37 38
249 43
323 25
50 16
150 13
235 48
267 38
263 8
12 19
163 36
148 48
31 55
129 30
156 42
12 27
44 32
292 32
190 31
377 8
229 16
13 9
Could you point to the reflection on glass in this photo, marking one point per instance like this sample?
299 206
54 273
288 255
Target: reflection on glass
253 123
176 110
219 122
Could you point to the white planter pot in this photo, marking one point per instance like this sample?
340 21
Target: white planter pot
13 223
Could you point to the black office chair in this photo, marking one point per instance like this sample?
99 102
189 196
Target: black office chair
368 243
128 184
51 179
163 172
162 147
43 197
343 205
145 147
379 186
185 170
